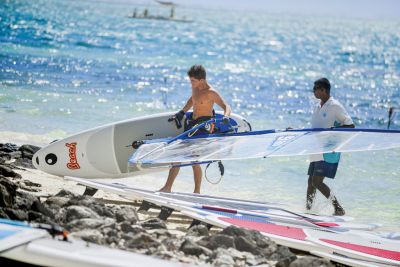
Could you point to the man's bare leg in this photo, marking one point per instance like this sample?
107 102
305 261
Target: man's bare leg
197 173
173 172
311 190
317 181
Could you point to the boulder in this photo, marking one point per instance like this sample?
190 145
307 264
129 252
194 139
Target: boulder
310 261
90 235
217 241
8 148
142 241
191 248
24 162
126 214
198 230
7 192
8 172
244 244
127 227
223 258
88 223
78 212
27 151
154 223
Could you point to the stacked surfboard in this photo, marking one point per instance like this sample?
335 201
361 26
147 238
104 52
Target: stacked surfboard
20 243
333 237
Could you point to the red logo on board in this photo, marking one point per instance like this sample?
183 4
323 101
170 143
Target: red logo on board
73 161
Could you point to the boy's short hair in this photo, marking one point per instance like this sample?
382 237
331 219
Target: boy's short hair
323 83
197 71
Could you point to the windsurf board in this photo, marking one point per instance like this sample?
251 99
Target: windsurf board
103 152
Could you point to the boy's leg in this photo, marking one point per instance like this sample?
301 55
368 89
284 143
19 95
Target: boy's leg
173 172
197 175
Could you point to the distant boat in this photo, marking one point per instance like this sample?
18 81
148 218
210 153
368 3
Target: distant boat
166 3
171 17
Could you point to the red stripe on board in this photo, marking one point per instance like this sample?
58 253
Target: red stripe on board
280 230
326 224
382 253
219 209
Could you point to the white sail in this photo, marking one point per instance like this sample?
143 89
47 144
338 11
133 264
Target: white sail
263 144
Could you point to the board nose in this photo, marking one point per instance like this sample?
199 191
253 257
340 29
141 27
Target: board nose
35 160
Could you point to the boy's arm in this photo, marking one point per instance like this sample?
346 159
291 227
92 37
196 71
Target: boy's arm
222 103
188 105
181 113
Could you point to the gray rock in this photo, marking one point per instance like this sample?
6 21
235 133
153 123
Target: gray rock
8 172
131 235
16 155
283 254
217 241
222 258
57 201
154 223
223 241
191 248
111 231
112 239
24 200
8 147
39 207
244 244
3 214
88 223
126 227
29 183
310 261
160 233
7 192
78 212
16 214
126 214
142 241
24 162
28 150
78 200
90 235
104 211
4 157
36 216
198 230
65 193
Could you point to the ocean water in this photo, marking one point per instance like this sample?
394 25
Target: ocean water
67 66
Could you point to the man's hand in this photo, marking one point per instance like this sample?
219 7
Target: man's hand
178 116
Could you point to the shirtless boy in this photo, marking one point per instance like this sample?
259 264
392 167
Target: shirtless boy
203 98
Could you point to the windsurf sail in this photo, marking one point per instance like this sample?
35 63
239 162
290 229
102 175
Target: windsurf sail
184 150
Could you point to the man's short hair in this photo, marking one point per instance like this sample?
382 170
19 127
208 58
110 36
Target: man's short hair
197 71
323 83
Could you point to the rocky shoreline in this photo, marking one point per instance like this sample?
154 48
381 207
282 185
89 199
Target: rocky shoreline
120 226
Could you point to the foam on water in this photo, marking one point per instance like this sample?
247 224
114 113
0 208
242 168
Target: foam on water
67 66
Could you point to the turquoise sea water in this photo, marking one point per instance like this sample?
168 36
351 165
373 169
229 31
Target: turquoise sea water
67 66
